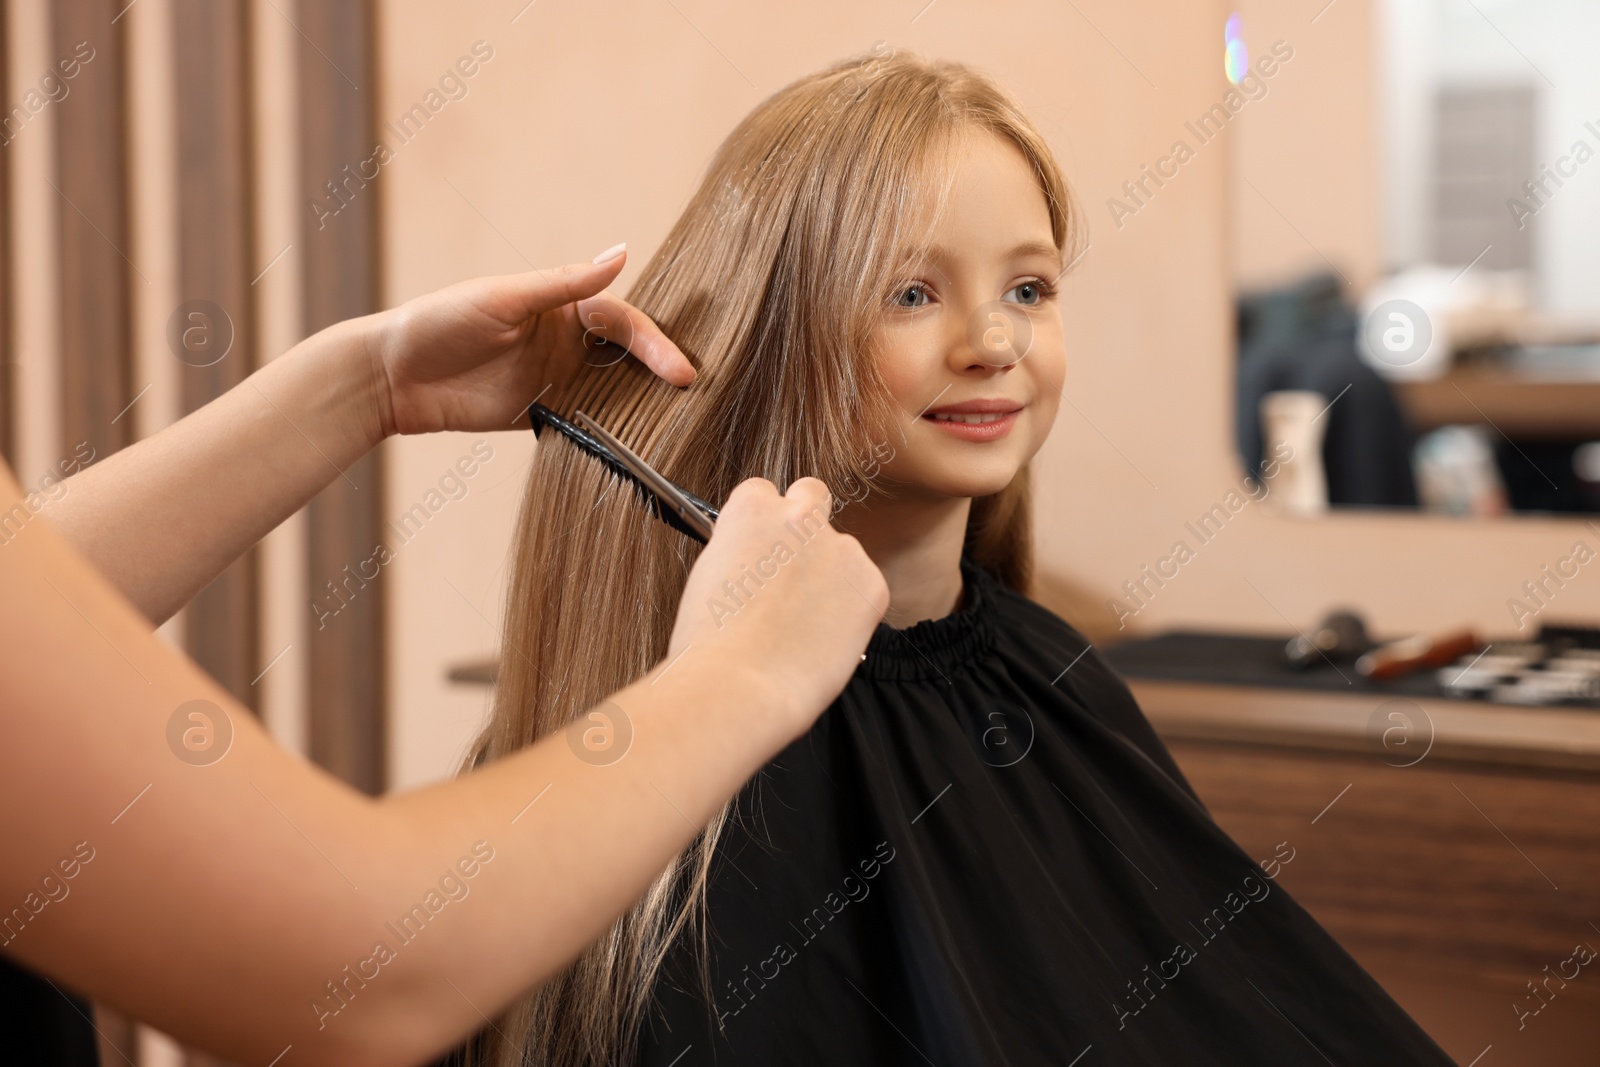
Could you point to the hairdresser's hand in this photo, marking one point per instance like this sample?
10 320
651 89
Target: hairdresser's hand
797 612
470 357
474 355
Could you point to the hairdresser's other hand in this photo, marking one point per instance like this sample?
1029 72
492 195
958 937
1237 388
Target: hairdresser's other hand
472 356
779 591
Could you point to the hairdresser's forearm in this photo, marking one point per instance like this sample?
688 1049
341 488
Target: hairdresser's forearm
165 516
570 845
583 852
268 884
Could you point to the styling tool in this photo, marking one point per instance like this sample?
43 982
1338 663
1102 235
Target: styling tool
1415 653
674 505
1341 635
1561 667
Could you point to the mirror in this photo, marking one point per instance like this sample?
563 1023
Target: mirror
1416 200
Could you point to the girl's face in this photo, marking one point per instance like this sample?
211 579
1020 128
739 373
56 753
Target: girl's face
972 348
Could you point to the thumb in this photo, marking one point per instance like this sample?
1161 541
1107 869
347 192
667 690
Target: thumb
544 290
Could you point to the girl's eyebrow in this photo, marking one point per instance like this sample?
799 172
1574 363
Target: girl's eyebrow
1021 251
1035 248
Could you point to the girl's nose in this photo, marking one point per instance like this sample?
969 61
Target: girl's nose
999 334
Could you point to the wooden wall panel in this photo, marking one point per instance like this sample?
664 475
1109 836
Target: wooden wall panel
213 325
91 177
7 354
338 85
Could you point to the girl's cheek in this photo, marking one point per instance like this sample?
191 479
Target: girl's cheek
897 376
1053 368
1047 421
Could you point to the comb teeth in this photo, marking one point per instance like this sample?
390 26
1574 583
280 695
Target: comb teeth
541 416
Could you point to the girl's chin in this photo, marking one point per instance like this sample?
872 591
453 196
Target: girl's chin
957 480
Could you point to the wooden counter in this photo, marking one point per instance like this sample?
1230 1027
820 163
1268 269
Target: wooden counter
1454 880
1462 731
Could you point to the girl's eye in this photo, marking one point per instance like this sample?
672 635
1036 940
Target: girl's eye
912 296
1034 292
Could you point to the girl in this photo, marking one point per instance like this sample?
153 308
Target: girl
981 853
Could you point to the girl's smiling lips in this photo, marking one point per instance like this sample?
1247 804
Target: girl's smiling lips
984 419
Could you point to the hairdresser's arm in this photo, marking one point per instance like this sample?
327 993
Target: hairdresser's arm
164 517
218 901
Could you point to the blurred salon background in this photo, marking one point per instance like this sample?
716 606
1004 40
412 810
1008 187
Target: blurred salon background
1333 384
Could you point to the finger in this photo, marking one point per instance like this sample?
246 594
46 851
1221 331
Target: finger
812 493
536 291
540 291
655 350
759 487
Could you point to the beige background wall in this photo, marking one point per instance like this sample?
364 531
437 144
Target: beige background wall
591 125
1305 182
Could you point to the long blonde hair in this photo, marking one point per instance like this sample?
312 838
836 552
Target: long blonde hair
772 282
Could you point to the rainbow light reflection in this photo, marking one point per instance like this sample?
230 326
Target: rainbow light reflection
1236 60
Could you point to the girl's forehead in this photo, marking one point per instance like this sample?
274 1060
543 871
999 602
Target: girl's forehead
1009 230
971 169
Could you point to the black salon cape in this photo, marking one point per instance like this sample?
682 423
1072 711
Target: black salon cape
41 1024
982 854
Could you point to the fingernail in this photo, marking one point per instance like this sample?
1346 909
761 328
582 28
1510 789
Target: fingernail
612 253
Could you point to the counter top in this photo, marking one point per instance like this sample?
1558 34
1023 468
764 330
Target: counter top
1466 731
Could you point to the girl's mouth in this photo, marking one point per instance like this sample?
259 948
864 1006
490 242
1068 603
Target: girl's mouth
975 425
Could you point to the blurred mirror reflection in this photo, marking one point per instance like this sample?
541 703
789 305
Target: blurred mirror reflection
1459 371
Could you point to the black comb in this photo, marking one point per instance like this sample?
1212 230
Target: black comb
628 465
